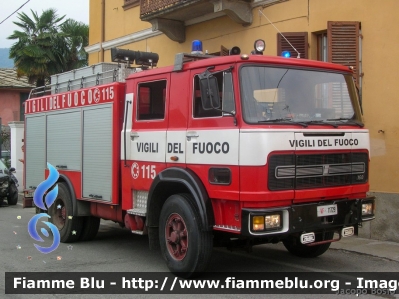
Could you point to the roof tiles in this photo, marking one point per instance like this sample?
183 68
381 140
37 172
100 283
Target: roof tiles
9 79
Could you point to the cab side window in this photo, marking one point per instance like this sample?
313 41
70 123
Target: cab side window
225 84
151 100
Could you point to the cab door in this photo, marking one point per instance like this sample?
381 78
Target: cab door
212 143
148 134
212 135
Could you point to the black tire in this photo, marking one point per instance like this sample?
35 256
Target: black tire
295 247
60 211
185 246
12 197
91 225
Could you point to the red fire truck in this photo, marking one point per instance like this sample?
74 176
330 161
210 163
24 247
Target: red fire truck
234 150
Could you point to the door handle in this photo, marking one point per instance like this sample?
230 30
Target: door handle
133 135
191 135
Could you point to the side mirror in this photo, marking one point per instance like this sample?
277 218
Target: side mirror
12 169
209 91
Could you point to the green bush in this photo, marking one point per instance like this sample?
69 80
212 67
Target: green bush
7 161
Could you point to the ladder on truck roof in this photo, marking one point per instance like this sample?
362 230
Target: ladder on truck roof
103 73
97 74
182 58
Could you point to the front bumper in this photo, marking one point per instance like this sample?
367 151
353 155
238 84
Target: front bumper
301 218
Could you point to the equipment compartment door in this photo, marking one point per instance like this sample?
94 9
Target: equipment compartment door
97 153
64 149
35 148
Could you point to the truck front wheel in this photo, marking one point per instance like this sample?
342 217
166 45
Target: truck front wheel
295 247
185 245
61 213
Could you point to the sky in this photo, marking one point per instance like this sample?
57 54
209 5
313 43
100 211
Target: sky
74 9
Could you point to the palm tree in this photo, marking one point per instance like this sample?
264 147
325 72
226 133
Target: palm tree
76 37
45 46
34 53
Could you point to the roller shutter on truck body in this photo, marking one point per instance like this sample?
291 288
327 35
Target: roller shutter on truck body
64 137
60 138
35 150
97 152
57 138
77 133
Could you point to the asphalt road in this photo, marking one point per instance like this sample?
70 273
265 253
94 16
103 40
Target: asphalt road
115 249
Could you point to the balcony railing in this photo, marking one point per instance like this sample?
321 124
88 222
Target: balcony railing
169 16
153 6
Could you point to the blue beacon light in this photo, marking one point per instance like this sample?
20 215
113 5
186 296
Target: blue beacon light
196 47
286 54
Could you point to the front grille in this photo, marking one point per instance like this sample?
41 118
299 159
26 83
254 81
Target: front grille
317 171
276 161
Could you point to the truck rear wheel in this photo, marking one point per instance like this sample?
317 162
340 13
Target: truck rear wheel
12 197
185 246
61 212
295 247
90 228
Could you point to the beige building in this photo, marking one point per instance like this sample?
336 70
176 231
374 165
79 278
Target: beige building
358 33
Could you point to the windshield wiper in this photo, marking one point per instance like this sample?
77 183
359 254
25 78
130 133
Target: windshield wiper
347 121
283 121
321 122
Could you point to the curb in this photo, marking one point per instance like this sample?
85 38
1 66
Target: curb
382 249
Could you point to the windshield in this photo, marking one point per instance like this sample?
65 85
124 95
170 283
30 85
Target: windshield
274 94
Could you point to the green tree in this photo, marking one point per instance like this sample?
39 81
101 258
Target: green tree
76 37
34 53
46 46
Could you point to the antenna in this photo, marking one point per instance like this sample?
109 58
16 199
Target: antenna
299 54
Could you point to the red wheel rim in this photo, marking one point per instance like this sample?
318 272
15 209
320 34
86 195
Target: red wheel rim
176 236
59 214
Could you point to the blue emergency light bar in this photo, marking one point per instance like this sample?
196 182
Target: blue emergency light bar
196 47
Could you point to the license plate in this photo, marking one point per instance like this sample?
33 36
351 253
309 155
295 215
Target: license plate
327 210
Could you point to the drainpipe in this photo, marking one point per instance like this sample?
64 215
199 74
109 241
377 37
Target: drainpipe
102 30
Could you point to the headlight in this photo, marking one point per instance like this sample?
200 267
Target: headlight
367 209
273 221
4 184
267 222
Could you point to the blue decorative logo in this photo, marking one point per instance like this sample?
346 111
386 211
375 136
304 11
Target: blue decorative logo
44 203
